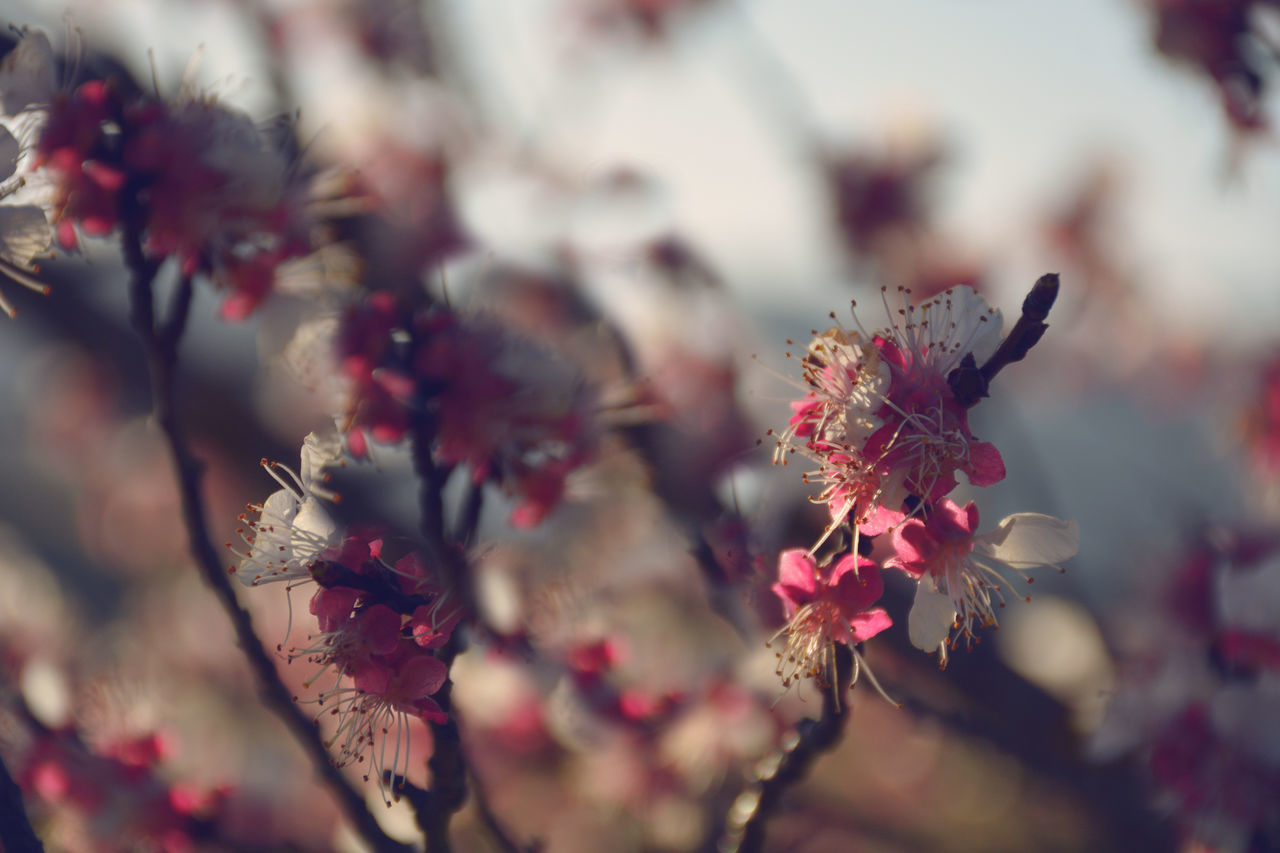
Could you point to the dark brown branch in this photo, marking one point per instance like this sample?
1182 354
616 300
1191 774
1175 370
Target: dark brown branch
420 800
744 829
16 834
969 382
448 790
161 344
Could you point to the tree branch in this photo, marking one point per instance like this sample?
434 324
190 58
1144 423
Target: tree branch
161 345
745 824
448 790
16 834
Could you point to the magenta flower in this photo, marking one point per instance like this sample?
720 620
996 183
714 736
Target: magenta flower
824 610
960 583
879 416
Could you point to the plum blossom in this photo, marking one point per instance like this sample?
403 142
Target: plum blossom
381 678
880 417
959 574
926 437
293 527
377 626
825 608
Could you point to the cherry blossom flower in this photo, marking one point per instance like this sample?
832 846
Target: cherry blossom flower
293 527
385 692
960 583
825 608
381 673
926 436
82 161
880 417
218 196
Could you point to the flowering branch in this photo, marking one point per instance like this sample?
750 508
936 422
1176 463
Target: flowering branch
745 824
161 344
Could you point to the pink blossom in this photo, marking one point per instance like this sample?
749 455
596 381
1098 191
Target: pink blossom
880 418
959 580
823 609
374 713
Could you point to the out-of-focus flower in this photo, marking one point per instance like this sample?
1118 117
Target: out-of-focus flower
217 196
204 185
1219 37
111 796
1198 696
650 18
959 579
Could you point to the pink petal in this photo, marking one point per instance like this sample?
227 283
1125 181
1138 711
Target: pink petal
420 677
332 607
986 467
953 521
867 625
856 583
380 629
914 546
797 579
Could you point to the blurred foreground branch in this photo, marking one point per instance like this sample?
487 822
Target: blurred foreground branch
161 345
745 824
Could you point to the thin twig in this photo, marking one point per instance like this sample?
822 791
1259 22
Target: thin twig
744 828
161 345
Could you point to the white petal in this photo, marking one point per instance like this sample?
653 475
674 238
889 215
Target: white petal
318 452
968 321
279 509
1028 539
27 74
24 234
931 618
10 150
313 531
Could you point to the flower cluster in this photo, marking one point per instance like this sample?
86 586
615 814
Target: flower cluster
111 796
377 622
500 407
1199 691
196 179
884 420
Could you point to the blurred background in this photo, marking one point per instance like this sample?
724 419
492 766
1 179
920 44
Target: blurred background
705 179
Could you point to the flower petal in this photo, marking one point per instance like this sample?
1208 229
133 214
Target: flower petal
1028 539
856 583
797 579
986 466
867 625
931 618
